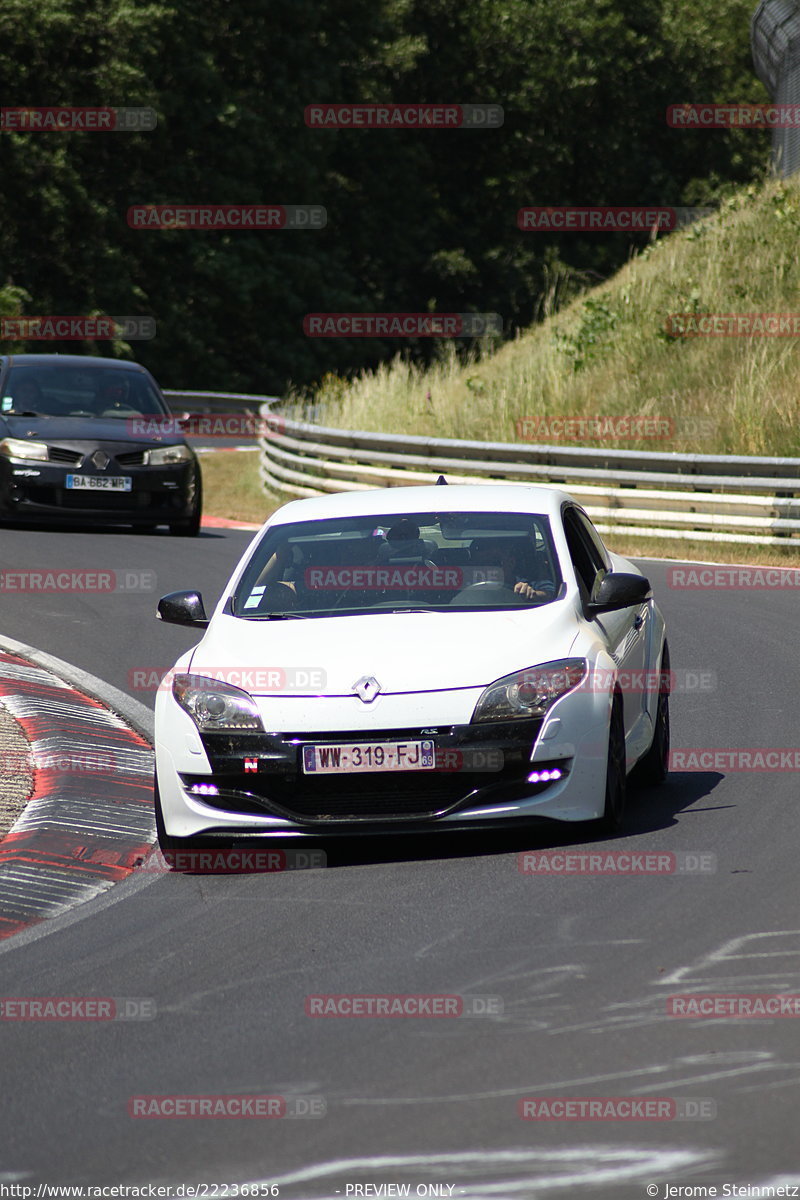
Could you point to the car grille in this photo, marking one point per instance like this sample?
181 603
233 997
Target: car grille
280 788
339 799
131 458
69 458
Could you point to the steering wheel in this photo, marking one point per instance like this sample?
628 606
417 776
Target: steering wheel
486 591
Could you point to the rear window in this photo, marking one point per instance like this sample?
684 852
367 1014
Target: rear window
397 563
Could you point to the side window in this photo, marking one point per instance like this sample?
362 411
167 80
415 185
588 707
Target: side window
600 553
585 556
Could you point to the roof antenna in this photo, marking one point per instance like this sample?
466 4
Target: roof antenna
441 479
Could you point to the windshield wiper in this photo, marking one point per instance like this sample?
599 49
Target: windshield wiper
287 616
412 610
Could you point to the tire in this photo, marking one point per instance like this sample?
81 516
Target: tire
653 767
616 779
190 528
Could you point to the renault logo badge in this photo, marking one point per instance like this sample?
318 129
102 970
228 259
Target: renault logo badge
367 688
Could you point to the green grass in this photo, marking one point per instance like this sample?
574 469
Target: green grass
232 488
683 550
607 353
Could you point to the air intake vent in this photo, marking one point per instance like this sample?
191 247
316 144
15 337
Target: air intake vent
70 458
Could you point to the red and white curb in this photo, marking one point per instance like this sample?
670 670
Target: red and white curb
89 822
224 523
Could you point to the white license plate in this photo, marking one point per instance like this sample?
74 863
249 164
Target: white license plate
355 757
100 483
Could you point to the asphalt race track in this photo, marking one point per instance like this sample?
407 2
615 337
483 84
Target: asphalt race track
580 966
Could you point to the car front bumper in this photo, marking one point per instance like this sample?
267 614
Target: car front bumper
487 775
38 491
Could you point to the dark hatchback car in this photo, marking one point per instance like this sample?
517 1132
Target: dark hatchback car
90 440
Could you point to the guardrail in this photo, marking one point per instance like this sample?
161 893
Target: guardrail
216 402
714 498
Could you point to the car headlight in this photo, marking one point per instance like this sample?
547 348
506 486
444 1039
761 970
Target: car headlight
21 448
167 456
215 705
531 692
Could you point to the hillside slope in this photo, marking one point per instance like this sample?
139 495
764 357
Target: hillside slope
608 353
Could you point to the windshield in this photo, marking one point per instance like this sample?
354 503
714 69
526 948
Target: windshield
78 391
398 563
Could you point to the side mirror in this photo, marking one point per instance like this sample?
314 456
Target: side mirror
615 591
183 608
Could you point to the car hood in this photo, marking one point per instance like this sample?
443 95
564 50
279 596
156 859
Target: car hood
405 652
82 429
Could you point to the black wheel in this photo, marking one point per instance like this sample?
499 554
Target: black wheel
653 767
191 527
616 779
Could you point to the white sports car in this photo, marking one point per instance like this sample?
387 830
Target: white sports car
413 659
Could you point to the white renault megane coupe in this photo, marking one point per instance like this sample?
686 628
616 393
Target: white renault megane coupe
413 659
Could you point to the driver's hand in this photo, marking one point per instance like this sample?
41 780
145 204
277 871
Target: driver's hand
530 593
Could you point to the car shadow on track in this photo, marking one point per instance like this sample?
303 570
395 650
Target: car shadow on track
42 526
648 809
652 808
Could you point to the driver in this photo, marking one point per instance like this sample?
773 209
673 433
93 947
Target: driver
27 395
501 555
